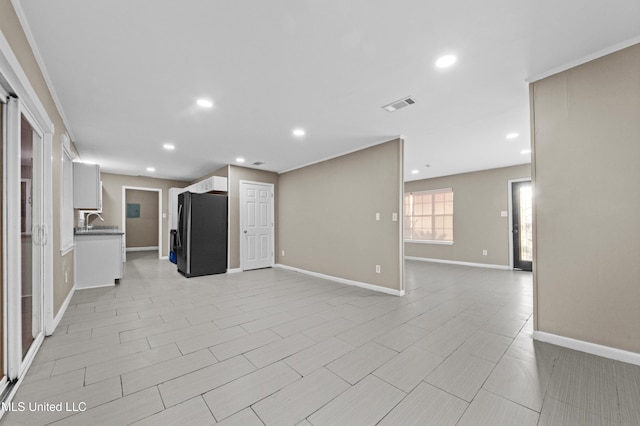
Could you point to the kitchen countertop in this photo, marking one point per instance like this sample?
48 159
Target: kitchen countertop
97 230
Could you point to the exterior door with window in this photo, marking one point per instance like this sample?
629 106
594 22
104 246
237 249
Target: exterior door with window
522 231
256 225
26 237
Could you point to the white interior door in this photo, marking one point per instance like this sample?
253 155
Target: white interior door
256 225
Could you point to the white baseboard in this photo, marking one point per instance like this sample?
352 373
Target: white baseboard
52 327
455 262
344 280
590 348
234 270
95 286
142 248
164 257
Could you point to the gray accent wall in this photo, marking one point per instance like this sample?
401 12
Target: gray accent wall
586 132
326 216
478 200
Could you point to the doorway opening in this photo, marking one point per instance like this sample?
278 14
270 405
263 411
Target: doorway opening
521 224
142 222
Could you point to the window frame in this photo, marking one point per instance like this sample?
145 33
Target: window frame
408 217
67 214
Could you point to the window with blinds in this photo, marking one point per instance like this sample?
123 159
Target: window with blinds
428 215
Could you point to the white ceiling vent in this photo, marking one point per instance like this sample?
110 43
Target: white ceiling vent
401 103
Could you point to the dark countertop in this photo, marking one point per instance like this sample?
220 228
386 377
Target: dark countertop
97 230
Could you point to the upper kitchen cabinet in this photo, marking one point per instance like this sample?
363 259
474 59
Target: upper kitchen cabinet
213 183
87 188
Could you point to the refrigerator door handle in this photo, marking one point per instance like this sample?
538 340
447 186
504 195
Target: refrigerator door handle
178 239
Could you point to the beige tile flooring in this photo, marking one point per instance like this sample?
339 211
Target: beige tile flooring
275 347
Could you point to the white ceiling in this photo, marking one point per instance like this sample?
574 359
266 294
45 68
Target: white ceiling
127 74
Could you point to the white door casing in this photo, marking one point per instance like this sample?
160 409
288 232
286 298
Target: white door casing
256 225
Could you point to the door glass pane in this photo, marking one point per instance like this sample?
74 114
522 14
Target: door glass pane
526 224
30 301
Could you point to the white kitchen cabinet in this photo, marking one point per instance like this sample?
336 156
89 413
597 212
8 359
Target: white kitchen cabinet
87 188
213 183
98 259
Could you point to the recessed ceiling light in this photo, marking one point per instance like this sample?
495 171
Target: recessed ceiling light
512 135
415 172
151 169
298 132
446 61
240 160
525 151
205 103
169 146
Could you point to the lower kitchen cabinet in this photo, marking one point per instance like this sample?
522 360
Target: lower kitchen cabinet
98 259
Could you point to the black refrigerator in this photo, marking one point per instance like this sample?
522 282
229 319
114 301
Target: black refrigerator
201 237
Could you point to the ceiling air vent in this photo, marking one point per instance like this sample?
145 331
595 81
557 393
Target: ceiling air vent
258 163
401 103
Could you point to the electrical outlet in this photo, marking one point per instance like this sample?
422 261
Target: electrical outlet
485 252
377 269
282 252
377 216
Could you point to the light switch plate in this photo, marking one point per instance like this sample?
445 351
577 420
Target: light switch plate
377 216
504 213
394 217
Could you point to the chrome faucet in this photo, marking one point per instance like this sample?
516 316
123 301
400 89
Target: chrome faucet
89 215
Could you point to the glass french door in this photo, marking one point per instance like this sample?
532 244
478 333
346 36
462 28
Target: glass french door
3 311
24 238
522 232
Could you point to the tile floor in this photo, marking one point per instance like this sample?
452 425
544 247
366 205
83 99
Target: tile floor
275 347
